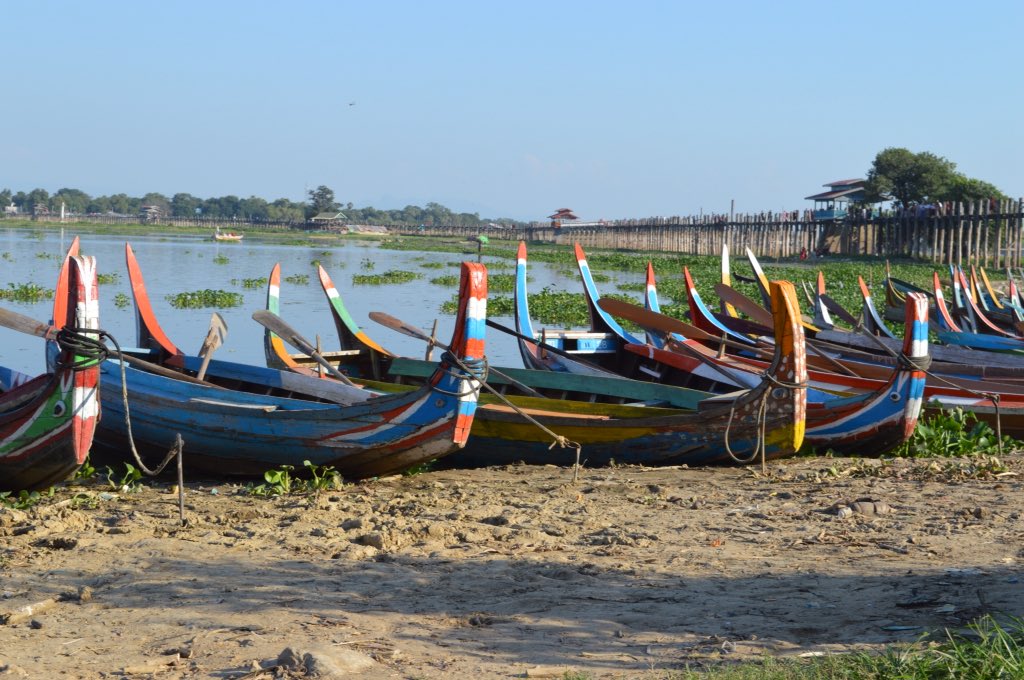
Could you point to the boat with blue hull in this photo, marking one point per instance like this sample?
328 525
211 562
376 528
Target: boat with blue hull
245 420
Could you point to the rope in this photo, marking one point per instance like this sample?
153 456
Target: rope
175 450
477 370
85 350
761 424
924 363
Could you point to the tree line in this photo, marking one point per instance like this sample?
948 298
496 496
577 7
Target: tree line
897 174
254 208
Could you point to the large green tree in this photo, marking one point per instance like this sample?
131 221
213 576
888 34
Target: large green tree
910 179
321 200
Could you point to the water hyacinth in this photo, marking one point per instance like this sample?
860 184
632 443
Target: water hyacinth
298 279
205 298
391 276
258 282
26 292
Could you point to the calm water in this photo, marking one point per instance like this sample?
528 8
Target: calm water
181 263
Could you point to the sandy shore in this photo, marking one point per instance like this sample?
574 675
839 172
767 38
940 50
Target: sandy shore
507 572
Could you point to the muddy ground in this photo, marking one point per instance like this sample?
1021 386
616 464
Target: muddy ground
508 572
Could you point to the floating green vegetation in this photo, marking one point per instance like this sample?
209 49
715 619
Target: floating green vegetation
258 282
7 256
205 298
315 263
108 278
121 301
600 278
503 283
298 279
26 292
221 259
432 265
367 265
497 305
388 277
448 280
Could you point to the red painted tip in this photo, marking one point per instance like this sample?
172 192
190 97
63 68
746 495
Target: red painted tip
580 255
521 253
650 274
863 287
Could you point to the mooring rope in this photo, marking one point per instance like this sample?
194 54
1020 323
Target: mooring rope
477 369
760 445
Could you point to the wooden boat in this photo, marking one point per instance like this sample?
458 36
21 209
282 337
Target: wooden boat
876 421
47 422
597 348
612 418
227 236
247 419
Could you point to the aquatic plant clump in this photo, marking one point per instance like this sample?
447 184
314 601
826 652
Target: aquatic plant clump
26 292
205 298
258 282
388 277
298 279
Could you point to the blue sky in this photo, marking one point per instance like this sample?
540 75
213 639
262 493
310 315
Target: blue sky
513 109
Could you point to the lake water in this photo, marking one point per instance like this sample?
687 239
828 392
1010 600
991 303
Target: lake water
177 264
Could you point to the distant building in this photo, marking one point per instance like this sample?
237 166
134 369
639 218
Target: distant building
328 218
834 204
10 209
561 216
150 213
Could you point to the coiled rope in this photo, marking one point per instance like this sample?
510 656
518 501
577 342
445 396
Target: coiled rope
760 445
86 348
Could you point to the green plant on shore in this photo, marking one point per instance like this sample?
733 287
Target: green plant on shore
276 483
989 651
953 432
127 481
85 471
24 499
205 298
321 477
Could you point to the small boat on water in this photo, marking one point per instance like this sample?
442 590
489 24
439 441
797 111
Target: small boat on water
228 236
47 422
242 420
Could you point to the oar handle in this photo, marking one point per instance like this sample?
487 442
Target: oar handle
274 323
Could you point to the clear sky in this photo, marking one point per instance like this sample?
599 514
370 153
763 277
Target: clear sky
512 109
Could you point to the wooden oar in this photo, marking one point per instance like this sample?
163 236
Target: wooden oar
744 304
666 324
274 323
838 310
214 339
24 324
412 331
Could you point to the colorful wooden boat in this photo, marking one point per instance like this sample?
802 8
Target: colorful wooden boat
247 419
47 422
597 348
612 418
